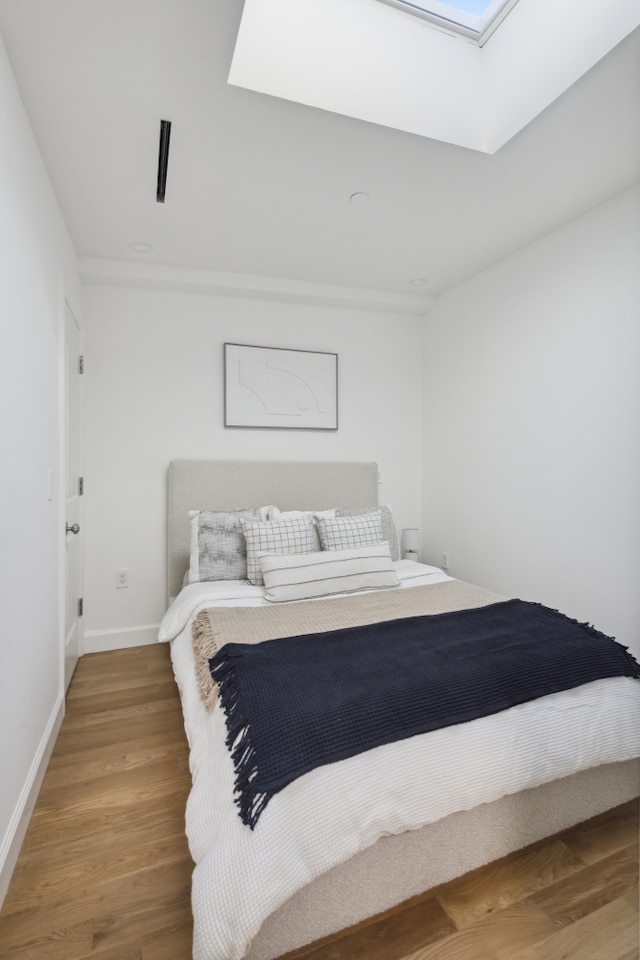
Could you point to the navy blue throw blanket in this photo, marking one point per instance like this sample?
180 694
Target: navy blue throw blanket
297 703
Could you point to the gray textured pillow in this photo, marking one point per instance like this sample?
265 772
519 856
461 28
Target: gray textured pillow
218 548
389 532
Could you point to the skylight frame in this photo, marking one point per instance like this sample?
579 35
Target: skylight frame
453 20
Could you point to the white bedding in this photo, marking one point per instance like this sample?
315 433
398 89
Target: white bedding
322 819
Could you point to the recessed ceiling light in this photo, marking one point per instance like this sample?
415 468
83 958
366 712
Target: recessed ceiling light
138 246
418 282
359 197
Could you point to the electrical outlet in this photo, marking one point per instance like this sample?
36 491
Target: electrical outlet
445 561
122 579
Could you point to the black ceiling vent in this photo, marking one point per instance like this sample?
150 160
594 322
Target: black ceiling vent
163 159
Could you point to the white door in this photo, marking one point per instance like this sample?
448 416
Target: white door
73 593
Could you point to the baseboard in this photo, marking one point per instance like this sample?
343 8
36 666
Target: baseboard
14 837
97 641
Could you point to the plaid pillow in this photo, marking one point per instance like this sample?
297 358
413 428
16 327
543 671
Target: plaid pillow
389 532
277 514
295 535
346 533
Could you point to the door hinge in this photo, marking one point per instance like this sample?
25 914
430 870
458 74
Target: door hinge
80 607
80 486
80 364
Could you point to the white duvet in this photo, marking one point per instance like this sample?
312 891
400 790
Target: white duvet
322 819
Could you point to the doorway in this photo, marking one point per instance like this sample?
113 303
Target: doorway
74 368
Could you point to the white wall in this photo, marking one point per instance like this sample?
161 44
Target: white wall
38 268
154 392
532 423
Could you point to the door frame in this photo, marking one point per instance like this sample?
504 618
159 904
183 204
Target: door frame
65 303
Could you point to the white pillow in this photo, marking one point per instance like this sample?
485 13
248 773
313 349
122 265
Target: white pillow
346 533
295 535
304 576
274 513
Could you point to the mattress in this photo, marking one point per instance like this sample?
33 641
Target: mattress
336 812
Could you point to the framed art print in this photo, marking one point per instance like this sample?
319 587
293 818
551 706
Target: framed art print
280 389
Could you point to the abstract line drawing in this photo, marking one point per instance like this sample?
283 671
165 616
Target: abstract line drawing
279 388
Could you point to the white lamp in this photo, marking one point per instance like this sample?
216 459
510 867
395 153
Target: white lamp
410 541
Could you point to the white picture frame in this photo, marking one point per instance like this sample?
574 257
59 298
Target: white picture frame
280 389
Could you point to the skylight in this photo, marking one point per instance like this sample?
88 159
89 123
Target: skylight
476 19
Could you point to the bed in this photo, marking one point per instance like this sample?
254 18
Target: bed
323 857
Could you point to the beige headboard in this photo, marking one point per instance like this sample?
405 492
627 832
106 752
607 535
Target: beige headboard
232 484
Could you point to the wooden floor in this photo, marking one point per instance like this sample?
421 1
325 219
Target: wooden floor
105 871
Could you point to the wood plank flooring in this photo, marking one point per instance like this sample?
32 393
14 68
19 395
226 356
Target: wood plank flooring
105 871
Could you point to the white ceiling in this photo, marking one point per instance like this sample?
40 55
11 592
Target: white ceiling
260 186
372 61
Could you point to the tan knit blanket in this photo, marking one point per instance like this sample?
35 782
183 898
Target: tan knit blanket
216 626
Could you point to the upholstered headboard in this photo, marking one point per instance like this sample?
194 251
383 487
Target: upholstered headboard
232 484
